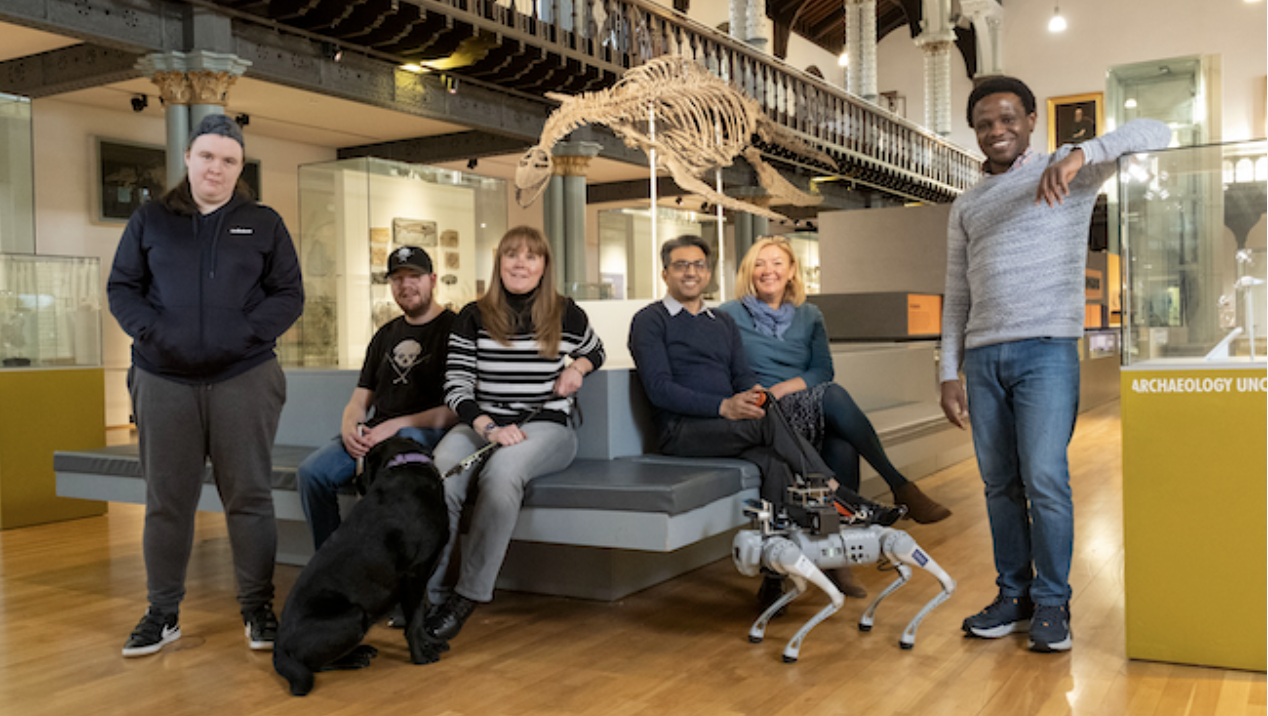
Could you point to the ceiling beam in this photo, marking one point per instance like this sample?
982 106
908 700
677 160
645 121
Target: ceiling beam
66 70
440 148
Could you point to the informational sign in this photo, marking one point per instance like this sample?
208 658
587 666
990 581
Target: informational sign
1192 436
924 314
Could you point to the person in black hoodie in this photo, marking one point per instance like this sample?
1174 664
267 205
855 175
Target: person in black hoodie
204 281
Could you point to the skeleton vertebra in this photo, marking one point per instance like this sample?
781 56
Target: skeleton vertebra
702 123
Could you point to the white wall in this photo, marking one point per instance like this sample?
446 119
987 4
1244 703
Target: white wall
1100 35
65 213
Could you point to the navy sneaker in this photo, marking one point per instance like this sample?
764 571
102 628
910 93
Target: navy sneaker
153 632
1050 629
1004 616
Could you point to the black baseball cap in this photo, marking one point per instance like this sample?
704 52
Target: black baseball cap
411 256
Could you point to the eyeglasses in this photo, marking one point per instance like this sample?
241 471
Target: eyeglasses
682 266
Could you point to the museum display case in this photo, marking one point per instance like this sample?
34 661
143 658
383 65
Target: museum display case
50 311
51 384
17 185
353 214
1193 384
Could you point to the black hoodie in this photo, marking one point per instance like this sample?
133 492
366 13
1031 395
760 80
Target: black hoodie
205 297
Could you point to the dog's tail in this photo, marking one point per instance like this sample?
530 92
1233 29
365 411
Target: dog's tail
294 671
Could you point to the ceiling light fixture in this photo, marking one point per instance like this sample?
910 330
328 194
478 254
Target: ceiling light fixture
1130 103
1057 23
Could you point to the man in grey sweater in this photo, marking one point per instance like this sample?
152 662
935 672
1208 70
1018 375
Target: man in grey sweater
1013 315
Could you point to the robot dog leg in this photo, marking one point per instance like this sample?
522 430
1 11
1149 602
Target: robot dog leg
780 545
782 556
902 550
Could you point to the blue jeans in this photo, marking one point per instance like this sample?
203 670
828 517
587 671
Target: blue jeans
323 472
1023 400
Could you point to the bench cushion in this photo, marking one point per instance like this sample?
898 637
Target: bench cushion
653 483
124 461
671 487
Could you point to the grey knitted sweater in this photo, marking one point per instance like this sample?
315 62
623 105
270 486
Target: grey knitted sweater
1016 270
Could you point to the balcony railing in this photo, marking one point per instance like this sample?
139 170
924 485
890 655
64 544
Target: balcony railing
873 146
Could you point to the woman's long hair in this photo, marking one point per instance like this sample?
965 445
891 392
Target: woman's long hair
548 306
794 292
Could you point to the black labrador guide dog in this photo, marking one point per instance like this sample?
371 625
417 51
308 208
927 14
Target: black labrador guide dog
382 555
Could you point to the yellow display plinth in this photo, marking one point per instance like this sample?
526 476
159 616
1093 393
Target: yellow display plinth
42 411
1194 516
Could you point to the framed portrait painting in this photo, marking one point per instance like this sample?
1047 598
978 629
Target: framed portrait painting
1075 118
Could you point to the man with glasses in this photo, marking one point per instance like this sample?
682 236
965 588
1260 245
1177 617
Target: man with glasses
708 402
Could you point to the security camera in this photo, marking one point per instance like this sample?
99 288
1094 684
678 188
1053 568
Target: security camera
140 102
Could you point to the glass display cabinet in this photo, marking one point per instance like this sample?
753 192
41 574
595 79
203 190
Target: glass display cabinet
52 385
353 214
1193 384
50 311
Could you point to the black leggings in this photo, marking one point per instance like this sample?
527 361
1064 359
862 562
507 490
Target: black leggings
847 435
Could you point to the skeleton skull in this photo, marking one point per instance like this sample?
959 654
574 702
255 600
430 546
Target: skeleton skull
532 175
406 354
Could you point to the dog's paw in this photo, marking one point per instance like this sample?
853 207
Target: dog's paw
358 658
427 656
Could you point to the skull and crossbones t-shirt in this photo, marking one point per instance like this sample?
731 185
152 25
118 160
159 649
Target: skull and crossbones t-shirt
405 367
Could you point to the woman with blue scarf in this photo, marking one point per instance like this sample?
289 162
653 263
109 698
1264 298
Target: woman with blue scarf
787 347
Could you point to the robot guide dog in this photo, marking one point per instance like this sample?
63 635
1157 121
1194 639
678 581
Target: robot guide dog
809 535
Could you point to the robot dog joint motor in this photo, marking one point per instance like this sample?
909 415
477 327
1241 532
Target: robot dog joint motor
807 536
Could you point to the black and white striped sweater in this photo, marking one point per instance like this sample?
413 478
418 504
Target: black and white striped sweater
507 382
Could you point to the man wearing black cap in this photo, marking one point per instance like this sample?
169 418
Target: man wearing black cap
402 380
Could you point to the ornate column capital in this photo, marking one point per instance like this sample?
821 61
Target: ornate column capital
199 77
173 86
211 87
572 159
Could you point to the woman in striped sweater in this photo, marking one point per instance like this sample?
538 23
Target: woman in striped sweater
516 356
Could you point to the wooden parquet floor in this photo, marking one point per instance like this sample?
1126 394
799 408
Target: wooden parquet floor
72 591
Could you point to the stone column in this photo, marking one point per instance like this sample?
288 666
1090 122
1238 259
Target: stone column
937 42
937 52
192 86
748 23
860 46
553 223
987 17
571 160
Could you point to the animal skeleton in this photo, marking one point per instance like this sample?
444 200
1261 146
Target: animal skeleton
702 123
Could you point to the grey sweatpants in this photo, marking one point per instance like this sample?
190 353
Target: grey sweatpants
180 425
494 496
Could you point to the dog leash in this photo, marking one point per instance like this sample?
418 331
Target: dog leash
487 451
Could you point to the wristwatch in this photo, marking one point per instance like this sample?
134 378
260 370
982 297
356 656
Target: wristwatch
488 429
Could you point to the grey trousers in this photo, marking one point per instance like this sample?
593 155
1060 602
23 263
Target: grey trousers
181 425
493 496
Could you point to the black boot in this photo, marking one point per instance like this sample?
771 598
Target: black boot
449 618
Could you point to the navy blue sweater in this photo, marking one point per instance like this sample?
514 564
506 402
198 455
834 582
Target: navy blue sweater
688 364
205 297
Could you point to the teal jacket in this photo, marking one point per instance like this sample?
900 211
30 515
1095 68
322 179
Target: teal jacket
802 351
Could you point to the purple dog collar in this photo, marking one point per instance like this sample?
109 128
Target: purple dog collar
406 458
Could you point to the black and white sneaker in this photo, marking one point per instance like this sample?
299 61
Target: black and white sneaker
261 628
153 632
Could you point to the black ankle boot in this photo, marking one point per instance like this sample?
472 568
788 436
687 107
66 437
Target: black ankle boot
449 618
771 590
883 515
